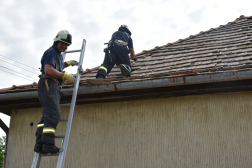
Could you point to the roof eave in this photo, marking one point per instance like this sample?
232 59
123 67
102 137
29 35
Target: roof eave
186 80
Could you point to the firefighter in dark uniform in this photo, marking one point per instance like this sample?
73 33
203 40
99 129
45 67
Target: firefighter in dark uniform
117 53
52 76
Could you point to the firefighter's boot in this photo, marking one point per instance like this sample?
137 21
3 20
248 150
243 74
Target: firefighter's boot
39 144
125 69
100 76
49 148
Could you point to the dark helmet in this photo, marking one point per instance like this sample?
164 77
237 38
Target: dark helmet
63 36
125 28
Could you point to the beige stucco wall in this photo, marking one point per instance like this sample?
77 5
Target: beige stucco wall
210 131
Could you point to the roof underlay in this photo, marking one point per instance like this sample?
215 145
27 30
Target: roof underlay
217 60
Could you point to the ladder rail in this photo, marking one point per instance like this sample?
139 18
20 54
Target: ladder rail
62 155
36 160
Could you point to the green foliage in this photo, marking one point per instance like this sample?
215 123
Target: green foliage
2 146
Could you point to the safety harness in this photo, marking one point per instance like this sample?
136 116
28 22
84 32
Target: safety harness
116 40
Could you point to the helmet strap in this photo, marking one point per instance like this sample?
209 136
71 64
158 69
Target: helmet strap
55 44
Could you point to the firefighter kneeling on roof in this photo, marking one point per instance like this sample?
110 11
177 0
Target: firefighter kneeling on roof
117 53
52 76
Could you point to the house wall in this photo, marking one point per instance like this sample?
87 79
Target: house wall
213 131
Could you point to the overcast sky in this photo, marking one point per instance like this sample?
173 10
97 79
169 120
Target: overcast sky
27 28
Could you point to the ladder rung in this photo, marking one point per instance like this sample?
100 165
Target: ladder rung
67 104
63 120
49 154
60 136
73 51
69 89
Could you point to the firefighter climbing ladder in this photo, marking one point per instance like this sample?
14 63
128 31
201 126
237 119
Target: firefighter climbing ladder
64 144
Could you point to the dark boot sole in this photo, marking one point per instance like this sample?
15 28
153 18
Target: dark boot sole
38 148
46 150
38 151
124 70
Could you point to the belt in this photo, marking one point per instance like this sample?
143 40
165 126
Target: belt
54 79
121 43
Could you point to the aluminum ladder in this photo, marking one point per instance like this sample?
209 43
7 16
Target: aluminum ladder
63 148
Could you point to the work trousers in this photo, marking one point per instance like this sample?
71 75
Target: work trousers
119 55
51 114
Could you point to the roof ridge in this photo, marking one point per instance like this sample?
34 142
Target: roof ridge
192 36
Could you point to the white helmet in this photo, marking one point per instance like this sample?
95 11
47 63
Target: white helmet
125 28
63 36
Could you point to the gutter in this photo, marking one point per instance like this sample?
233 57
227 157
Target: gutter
188 80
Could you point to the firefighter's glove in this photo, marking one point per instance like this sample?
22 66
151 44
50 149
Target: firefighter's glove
72 62
135 59
105 49
68 77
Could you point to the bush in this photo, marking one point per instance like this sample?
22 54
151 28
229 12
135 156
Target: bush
2 146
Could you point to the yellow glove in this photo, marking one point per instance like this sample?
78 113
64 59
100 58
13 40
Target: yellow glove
72 62
68 77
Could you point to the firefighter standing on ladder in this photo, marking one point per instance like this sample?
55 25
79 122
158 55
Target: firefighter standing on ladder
117 53
49 91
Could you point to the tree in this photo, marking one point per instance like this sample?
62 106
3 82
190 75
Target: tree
2 146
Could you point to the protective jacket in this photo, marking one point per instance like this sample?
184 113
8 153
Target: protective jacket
116 53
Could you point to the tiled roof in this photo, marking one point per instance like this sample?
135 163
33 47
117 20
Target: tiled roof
15 88
227 48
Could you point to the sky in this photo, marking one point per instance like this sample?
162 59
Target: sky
28 27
